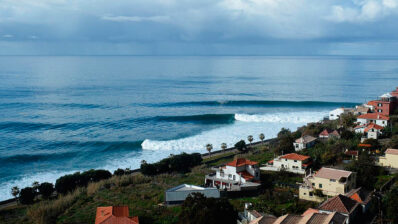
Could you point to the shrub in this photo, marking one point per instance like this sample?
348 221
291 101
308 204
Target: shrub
27 195
70 182
178 163
47 211
119 172
241 145
46 189
199 209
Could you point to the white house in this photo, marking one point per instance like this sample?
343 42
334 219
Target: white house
292 162
177 195
304 142
376 118
370 130
336 113
240 174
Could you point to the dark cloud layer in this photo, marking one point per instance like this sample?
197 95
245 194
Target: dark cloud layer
220 27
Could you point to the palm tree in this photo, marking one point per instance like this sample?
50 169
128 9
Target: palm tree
209 147
223 146
15 191
250 139
261 136
143 162
35 186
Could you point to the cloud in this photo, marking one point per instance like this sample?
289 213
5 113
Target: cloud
136 18
160 24
363 11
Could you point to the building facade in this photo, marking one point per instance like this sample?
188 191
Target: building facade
304 142
239 174
375 118
390 159
329 181
292 162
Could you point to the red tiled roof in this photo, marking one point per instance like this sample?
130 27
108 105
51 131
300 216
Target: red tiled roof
351 152
246 175
241 162
372 125
359 195
392 151
327 132
365 145
307 164
374 116
114 215
310 211
339 203
295 156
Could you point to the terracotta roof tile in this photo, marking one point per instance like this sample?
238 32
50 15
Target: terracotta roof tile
305 139
339 203
374 116
372 125
295 156
241 162
114 215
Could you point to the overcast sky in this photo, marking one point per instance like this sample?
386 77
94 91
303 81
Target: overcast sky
199 27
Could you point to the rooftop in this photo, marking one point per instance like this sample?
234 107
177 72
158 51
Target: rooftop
373 126
114 215
241 162
392 151
305 139
339 203
359 195
186 187
295 156
330 173
374 116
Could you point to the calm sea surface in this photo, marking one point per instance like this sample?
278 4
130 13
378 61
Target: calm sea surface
64 114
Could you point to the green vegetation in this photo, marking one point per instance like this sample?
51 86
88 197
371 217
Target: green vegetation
198 209
176 163
69 183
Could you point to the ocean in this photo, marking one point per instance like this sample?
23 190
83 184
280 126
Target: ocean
62 114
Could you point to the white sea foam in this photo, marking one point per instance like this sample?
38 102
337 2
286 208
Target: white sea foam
269 124
292 117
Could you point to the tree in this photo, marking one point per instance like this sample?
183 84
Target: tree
390 205
35 186
46 189
285 142
394 142
347 120
223 146
197 209
15 191
347 135
209 147
27 196
119 172
262 137
241 145
366 171
250 139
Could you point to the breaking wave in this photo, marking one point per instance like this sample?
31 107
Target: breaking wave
269 124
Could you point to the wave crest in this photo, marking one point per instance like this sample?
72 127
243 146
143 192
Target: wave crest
294 117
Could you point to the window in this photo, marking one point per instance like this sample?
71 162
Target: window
332 180
320 185
229 175
311 194
383 122
297 145
305 193
379 110
285 159
295 161
233 177
222 174
313 184
380 104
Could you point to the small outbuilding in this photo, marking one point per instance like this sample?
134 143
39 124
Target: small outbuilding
177 195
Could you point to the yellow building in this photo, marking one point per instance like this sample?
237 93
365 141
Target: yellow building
326 182
390 159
